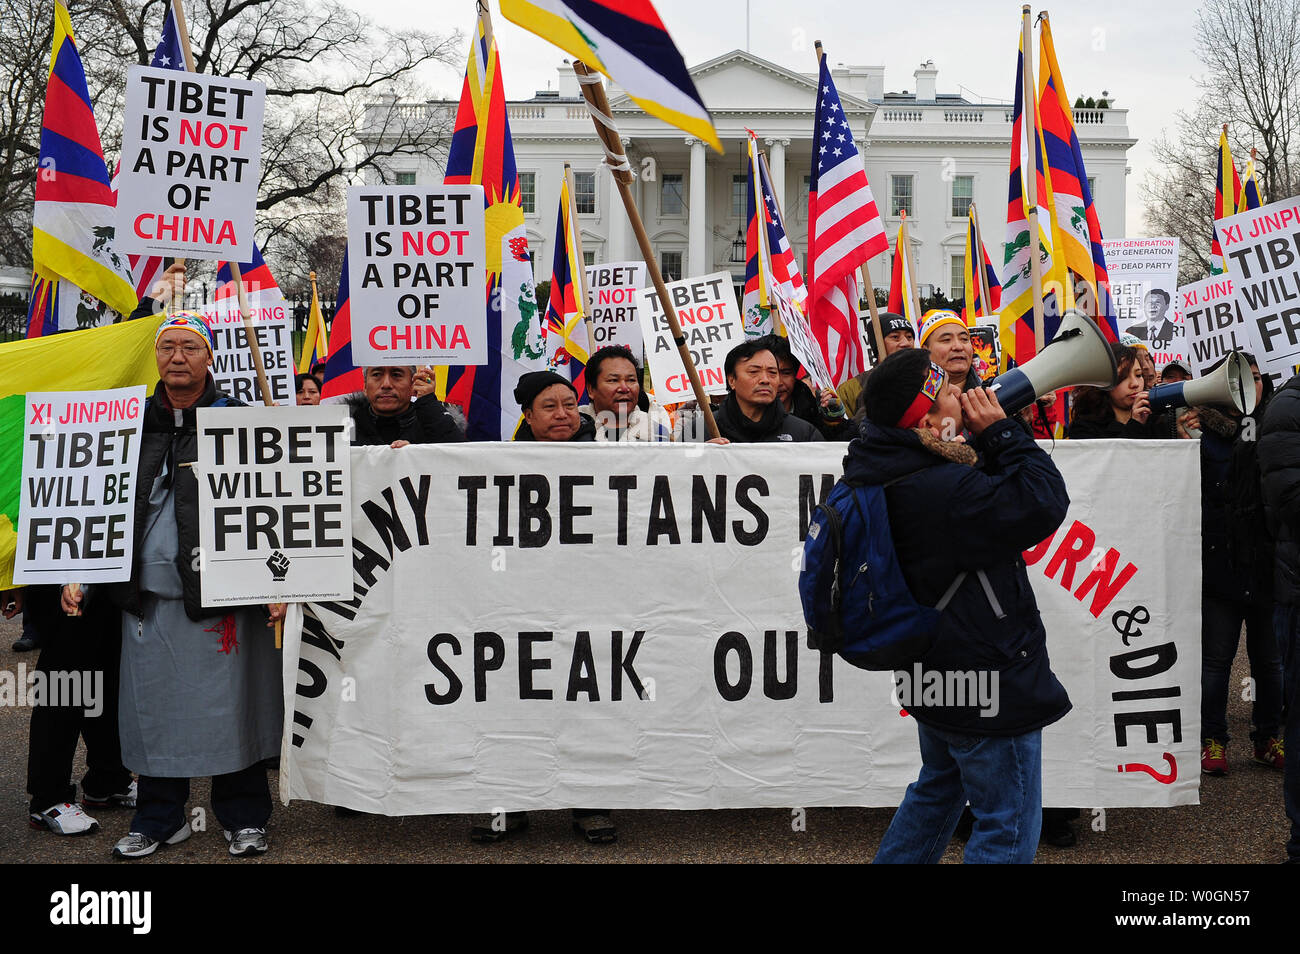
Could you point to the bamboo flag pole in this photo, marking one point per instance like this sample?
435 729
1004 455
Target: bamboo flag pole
593 92
978 252
1029 174
580 265
868 287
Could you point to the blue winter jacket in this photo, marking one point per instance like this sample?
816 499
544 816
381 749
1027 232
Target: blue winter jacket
950 517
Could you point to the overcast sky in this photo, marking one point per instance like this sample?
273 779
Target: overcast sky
1140 52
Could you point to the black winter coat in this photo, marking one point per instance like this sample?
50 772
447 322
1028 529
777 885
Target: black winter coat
950 518
1279 466
1082 429
776 425
426 421
172 435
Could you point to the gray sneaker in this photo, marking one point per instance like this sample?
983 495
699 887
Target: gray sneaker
124 799
247 841
138 844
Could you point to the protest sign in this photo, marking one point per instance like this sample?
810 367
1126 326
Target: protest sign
191 163
274 501
985 351
232 359
802 343
500 643
416 268
612 304
706 309
1212 317
76 512
1143 278
1262 247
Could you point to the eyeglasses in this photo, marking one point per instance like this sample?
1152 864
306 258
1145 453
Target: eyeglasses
188 349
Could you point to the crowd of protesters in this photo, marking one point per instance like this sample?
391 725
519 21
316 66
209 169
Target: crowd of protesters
919 424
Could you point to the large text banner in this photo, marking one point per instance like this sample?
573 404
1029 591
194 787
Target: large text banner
548 626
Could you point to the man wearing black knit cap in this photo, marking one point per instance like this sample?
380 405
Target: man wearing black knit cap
981 740
550 405
899 334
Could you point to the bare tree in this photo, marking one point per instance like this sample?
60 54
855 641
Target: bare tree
1251 52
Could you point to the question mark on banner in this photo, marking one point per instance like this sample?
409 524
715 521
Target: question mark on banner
1163 779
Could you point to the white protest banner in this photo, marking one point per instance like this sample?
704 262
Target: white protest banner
232 360
274 498
416 270
1262 247
1212 316
1143 278
802 343
191 163
613 289
76 509
505 650
706 309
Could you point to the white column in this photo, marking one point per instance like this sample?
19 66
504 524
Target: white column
616 224
697 257
776 165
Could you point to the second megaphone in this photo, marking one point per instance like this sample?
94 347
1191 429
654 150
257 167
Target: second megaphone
1079 354
1231 384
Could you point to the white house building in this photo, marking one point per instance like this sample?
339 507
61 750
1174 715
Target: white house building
928 153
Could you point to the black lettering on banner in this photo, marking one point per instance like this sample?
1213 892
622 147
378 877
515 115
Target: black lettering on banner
454 685
582 671
317 676
663 519
1170 717
713 510
419 501
621 484
1164 656
746 484
314 634
808 503
733 642
485 663
569 511
534 518
623 665
528 665
387 524
772 687
826 678
503 538
471 485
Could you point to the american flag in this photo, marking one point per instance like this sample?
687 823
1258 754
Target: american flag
148 270
844 231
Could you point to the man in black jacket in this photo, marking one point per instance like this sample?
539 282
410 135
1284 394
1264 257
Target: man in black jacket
385 414
981 733
1279 467
751 412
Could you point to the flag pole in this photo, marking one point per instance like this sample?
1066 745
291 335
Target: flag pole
978 252
580 266
183 36
1030 176
911 267
869 287
593 92
760 226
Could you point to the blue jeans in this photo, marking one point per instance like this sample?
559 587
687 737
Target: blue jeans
1286 623
1001 777
1220 636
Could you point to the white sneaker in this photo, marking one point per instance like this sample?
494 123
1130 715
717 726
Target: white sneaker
138 844
247 841
65 818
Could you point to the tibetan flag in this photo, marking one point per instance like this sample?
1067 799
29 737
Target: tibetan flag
625 40
755 306
901 289
315 343
113 356
342 377
482 154
1248 198
1227 186
72 223
1016 319
844 230
567 347
1078 229
977 257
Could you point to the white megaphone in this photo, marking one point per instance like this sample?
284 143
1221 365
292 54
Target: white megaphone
1079 354
1232 383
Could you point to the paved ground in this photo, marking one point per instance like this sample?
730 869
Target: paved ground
1240 820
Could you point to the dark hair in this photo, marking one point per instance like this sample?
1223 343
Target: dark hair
746 350
1093 404
893 385
299 379
1158 291
601 355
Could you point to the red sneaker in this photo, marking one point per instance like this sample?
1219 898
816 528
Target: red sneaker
1271 754
1214 758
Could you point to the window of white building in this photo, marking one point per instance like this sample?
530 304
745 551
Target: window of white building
957 278
528 192
671 195
670 264
405 178
739 201
963 194
584 192
900 195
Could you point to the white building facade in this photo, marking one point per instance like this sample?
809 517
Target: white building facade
926 153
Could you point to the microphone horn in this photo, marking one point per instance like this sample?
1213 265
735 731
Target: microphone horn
1078 355
1231 384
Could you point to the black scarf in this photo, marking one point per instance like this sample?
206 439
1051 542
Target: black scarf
750 430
